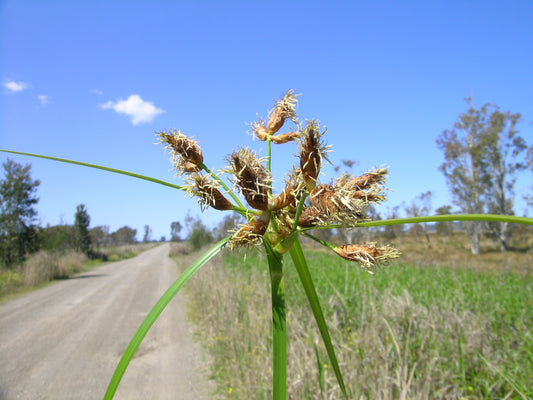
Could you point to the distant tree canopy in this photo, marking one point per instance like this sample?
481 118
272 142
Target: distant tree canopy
124 235
444 228
483 154
81 229
175 229
18 197
198 233
147 234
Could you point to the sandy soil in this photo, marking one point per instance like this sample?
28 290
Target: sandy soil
64 341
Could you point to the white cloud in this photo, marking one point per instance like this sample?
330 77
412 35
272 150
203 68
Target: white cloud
139 110
13 86
96 91
43 99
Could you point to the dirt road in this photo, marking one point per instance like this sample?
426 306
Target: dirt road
64 341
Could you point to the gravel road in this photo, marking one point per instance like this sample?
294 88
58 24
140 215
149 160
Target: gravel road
64 341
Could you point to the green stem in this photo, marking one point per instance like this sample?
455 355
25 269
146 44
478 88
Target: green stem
269 154
299 211
322 242
279 327
223 184
434 218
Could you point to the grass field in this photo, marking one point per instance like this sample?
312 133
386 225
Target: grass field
418 329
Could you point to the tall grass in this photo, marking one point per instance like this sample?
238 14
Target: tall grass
409 332
46 266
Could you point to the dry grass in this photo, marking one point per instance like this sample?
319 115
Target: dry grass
409 332
454 251
178 249
46 266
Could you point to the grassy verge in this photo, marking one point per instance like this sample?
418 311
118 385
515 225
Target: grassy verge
410 331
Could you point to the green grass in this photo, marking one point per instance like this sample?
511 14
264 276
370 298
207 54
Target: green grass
406 332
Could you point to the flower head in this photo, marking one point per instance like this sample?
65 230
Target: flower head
312 152
369 256
185 153
251 177
249 234
283 109
208 193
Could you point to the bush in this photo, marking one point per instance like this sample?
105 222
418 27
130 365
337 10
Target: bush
8 281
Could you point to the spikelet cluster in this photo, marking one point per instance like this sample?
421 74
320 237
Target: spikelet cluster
304 203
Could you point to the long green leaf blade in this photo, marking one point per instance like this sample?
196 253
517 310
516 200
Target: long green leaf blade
437 218
279 324
116 171
154 314
300 263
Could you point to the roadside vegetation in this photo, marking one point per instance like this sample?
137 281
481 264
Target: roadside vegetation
438 324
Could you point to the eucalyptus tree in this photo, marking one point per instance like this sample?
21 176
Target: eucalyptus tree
482 155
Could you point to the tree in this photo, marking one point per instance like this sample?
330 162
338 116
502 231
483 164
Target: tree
444 228
504 162
147 234
81 229
58 238
481 164
175 229
199 235
124 235
18 196
100 236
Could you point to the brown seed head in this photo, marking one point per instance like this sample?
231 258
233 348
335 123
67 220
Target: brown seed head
312 151
291 193
251 176
337 205
185 153
310 217
368 256
208 193
285 137
365 181
283 109
249 234
259 130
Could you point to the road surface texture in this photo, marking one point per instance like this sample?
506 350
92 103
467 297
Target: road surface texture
64 341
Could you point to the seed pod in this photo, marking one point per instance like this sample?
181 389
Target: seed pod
251 176
312 151
249 234
369 256
206 189
186 155
310 217
284 137
259 130
283 109
367 180
323 197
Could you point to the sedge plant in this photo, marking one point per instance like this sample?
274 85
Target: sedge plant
275 222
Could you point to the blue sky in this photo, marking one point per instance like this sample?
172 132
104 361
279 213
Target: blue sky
92 81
